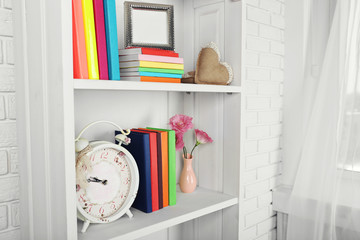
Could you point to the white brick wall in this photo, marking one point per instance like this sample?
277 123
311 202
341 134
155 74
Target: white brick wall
263 118
9 177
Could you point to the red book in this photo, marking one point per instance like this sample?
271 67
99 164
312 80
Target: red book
153 169
148 51
101 39
79 50
165 164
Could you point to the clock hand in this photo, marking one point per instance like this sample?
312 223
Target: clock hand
95 179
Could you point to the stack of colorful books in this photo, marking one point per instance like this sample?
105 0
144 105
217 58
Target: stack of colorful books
154 152
150 65
95 42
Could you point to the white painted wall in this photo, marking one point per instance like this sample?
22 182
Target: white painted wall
9 174
263 84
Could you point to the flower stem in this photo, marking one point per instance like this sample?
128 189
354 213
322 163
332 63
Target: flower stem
196 144
185 152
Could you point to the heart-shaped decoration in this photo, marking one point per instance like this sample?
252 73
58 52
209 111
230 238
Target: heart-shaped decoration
209 69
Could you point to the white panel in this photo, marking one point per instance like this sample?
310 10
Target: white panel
234 27
209 157
163 234
185 230
200 3
210 226
233 161
128 109
182 231
45 118
209 26
188 15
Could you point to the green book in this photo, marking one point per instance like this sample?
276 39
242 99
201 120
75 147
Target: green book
172 164
161 70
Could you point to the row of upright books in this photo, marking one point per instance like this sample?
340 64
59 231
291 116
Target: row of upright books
95 41
154 152
150 65
96 54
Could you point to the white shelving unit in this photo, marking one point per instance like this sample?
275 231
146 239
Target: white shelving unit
53 107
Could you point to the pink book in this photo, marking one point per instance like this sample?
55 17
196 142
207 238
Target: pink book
101 39
150 58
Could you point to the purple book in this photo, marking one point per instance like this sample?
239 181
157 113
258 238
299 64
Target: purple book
101 39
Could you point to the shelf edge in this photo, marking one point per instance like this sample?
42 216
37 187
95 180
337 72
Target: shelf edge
83 84
177 220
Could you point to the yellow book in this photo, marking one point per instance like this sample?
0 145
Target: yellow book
148 64
90 39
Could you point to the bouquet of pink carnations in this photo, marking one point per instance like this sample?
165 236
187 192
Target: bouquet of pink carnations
181 124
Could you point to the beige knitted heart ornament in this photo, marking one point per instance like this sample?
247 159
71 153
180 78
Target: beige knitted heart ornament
209 69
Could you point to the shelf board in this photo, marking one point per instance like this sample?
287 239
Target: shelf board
188 207
85 84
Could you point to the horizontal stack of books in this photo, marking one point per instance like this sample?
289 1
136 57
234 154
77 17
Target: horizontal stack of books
154 152
150 65
95 42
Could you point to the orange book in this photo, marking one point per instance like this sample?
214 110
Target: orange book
160 79
79 50
165 165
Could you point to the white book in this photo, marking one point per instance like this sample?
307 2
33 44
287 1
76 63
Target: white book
133 69
129 74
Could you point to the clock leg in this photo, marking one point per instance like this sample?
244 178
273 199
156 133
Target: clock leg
85 226
130 215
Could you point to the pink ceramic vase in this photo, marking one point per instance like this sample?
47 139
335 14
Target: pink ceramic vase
187 177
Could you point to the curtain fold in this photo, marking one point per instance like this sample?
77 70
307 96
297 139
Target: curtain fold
325 201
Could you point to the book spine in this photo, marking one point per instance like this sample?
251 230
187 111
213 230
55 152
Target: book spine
148 176
90 39
111 39
124 52
161 70
161 65
158 79
160 180
165 170
79 51
172 168
101 38
154 58
159 52
163 75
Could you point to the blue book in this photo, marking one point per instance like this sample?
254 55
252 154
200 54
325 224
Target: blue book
157 74
140 149
111 39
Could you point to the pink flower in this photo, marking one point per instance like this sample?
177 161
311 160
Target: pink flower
181 123
179 141
202 137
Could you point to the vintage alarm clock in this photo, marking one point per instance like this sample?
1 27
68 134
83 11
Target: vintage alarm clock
107 178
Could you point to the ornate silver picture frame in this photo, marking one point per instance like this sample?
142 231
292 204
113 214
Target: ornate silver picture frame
149 25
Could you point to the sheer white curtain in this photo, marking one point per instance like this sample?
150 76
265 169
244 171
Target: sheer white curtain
325 201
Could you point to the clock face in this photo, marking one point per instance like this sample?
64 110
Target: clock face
108 180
